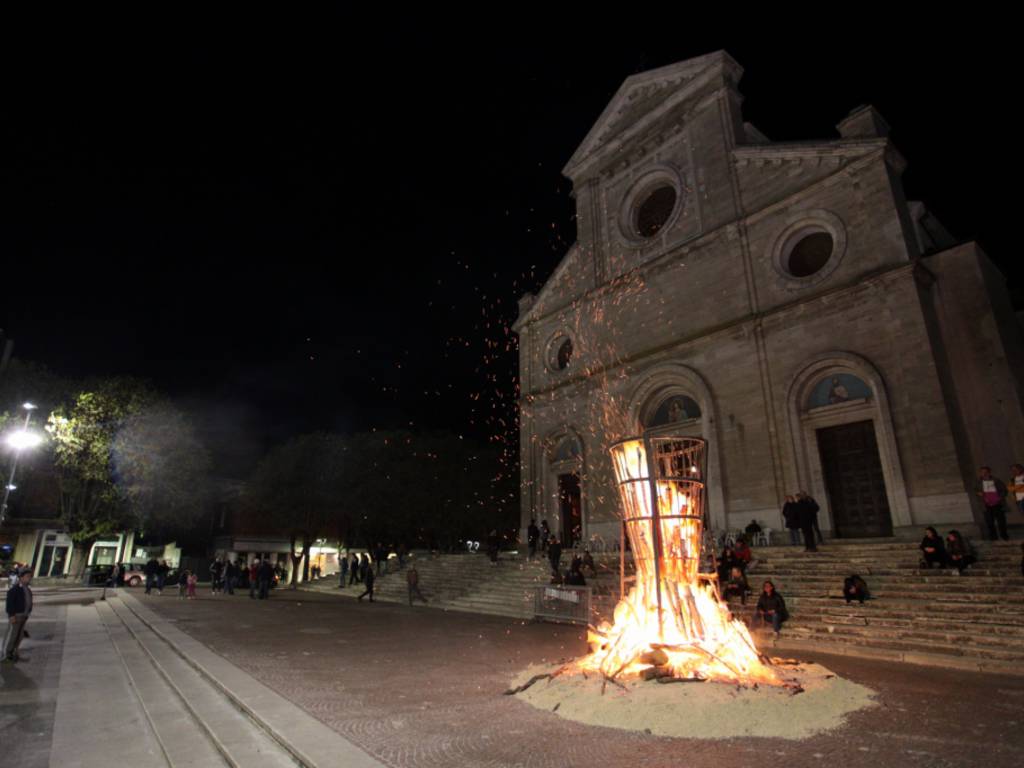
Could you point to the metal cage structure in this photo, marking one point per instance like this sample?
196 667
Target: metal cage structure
661 483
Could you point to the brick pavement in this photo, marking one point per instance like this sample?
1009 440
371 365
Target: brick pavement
420 688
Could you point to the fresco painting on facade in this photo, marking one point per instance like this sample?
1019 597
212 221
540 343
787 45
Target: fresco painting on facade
838 388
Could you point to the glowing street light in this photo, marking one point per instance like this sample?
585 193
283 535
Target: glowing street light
19 441
23 439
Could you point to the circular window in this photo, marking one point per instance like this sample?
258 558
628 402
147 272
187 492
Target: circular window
655 210
564 355
559 353
809 253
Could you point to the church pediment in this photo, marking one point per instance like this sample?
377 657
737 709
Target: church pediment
644 98
569 280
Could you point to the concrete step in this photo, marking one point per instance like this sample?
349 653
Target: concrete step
919 645
180 736
237 738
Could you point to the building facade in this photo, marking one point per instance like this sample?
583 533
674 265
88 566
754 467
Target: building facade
782 300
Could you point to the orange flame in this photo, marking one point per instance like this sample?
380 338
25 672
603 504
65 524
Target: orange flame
672 608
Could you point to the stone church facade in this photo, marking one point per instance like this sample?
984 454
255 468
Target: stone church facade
782 300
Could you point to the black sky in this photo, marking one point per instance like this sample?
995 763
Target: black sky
321 229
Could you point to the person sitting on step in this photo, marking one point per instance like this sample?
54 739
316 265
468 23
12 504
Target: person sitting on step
736 584
959 551
855 588
771 608
727 562
742 551
933 551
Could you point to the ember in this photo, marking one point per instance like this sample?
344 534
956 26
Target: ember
673 620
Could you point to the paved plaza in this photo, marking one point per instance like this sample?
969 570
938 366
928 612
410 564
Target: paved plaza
423 687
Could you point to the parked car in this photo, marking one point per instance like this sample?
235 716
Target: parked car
135 575
96 575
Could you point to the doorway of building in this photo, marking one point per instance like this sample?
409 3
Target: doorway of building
854 480
569 505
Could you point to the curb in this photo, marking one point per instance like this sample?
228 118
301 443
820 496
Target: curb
321 746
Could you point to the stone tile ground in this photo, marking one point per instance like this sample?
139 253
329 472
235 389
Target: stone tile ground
421 687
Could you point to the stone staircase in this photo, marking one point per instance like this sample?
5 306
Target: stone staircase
469 582
974 620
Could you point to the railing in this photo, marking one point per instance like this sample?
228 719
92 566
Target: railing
562 603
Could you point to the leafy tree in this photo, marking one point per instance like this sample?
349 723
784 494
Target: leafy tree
82 434
161 469
297 487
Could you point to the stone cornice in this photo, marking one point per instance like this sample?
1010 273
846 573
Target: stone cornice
745 323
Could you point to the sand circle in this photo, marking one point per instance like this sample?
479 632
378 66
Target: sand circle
709 710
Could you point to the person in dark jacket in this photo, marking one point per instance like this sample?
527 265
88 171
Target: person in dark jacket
855 588
574 576
958 551
545 535
791 518
364 567
342 571
493 546
19 608
933 551
369 585
354 570
555 555
265 575
807 509
151 569
161 576
532 538
771 608
727 562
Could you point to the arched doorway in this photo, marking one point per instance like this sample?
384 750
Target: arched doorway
565 487
845 447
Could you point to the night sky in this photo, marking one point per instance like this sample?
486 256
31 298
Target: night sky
329 228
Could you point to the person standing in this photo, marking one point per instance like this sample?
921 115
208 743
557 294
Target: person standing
545 535
364 567
412 580
254 568
152 566
232 576
19 608
115 572
354 577
532 537
808 513
343 566
992 492
1016 486
555 556
368 583
161 576
791 518
265 576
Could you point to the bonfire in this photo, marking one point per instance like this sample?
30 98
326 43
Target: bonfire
673 624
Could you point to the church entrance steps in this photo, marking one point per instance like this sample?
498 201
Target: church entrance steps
949 645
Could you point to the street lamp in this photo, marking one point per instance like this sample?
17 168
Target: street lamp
19 441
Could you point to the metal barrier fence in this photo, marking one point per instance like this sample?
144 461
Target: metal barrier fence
562 603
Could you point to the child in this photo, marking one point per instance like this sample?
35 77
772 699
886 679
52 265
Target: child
192 579
183 584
